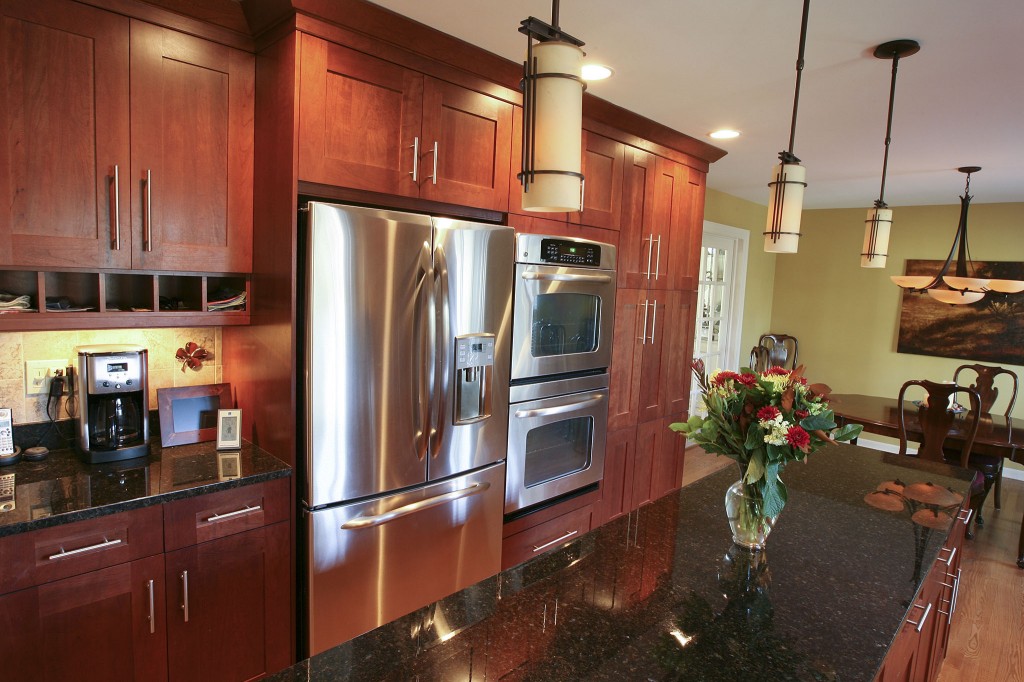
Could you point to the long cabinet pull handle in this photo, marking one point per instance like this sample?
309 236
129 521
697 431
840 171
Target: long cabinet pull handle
378 519
583 192
559 409
920 624
650 253
654 319
116 209
237 512
657 260
566 536
956 593
565 277
643 331
415 146
433 177
100 545
967 518
148 246
952 553
184 594
152 611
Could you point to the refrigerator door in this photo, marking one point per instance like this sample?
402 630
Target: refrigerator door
368 332
371 562
473 270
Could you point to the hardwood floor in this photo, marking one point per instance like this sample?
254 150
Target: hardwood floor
986 641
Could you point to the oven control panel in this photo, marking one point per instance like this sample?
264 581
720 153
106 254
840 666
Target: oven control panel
570 252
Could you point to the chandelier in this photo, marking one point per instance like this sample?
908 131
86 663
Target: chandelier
962 287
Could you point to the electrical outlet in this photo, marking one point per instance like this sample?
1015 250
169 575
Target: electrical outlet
38 374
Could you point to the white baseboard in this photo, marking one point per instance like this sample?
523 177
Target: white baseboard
1008 471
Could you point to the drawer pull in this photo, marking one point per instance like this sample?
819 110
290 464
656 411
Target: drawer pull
967 519
237 512
920 624
952 553
100 545
555 541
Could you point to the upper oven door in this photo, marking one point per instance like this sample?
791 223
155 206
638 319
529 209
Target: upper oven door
562 320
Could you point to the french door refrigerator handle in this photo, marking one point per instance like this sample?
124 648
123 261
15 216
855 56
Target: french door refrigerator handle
442 331
422 505
424 330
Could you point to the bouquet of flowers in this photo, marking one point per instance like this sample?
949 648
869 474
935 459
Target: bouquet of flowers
763 421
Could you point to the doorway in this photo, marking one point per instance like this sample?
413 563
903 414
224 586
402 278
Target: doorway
720 291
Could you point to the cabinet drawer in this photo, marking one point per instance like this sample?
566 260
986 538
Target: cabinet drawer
217 515
50 554
519 547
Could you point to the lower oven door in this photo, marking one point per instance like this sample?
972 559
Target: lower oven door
555 446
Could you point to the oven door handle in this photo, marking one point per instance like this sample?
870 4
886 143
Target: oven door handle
559 409
566 277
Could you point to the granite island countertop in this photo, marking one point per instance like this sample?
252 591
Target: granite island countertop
663 594
62 489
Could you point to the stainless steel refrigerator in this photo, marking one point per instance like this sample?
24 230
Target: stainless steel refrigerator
406 359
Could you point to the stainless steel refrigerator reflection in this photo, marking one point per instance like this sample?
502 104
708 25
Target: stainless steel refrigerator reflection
407 322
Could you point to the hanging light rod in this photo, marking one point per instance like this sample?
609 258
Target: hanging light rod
879 220
963 286
786 200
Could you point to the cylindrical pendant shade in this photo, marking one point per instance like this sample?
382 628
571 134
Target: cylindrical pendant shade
558 130
876 238
785 204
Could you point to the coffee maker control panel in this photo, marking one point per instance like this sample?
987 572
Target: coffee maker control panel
114 374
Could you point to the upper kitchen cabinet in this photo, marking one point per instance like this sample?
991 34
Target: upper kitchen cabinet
603 163
64 166
366 123
192 153
102 169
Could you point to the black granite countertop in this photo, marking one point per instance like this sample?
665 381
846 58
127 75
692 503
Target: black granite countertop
61 488
663 594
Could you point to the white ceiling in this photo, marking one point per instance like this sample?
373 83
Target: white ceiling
699 65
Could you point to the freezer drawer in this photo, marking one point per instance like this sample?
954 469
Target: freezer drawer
373 561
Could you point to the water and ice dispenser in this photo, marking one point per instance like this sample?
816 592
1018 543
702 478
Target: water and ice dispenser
474 365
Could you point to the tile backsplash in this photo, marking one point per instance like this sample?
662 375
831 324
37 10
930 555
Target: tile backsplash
165 370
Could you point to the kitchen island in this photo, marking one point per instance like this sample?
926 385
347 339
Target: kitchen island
663 594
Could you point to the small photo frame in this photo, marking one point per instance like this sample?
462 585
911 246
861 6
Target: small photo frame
188 414
229 466
229 429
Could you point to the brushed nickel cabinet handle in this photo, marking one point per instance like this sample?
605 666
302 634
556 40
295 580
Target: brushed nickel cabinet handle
116 209
152 611
415 146
566 536
433 178
148 245
952 553
654 320
237 512
657 260
643 331
583 192
100 545
650 253
184 594
920 624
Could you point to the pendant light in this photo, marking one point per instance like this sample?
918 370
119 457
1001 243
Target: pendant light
786 200
879 220
962 287
551 175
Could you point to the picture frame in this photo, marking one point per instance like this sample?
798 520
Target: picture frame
229 466
229 429
188 414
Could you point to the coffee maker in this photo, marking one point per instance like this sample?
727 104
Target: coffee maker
113 418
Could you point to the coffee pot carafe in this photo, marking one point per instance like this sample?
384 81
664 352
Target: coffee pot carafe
113 423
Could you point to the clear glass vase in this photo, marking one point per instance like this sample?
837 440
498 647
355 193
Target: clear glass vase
745 510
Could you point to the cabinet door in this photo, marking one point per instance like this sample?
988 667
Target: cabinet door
192 153
102 625
676 325
466 147
603 161
686 227
654 387
617 483
627 358
636 246
647 445
359 117
670 222
228 606
667 466
64 113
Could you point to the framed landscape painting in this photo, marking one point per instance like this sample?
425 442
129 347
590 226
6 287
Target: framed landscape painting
991 330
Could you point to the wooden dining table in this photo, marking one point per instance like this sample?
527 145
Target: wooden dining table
997 435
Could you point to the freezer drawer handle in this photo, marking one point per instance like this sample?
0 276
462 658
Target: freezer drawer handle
566 277
369 521
238 512
100 545
560 409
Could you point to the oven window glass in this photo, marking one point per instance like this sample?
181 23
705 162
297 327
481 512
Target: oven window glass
565 323
558 449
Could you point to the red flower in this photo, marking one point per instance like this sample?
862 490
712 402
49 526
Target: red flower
802 414
776 372
748 380
767 413
722 377
798 438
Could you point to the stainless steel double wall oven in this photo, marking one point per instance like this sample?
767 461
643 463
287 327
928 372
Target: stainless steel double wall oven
563 315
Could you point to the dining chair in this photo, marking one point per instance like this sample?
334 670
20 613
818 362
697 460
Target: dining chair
985 385
936 422
775 350
759 358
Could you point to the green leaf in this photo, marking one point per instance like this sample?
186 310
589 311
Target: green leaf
848 432
775 493
755 468
755 437
695 421
681 427
814 422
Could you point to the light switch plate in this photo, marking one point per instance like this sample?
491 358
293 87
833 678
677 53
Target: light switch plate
38 374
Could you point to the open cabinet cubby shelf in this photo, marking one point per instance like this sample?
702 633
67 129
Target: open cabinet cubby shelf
119 299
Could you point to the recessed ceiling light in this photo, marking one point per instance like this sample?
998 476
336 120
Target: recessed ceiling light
724 134
596 72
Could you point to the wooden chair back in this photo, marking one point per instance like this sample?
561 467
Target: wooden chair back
759 358
985 385
935 419
782 350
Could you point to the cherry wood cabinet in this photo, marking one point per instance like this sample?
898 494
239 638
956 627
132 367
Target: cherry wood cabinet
603 164
366 123
128 146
